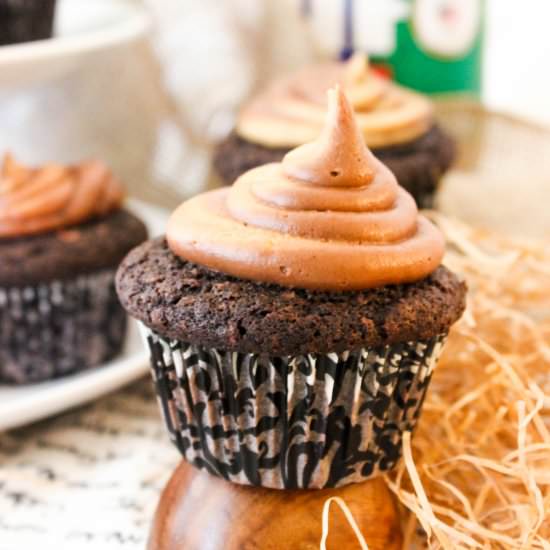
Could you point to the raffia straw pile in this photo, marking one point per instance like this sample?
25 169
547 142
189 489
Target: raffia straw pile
477 474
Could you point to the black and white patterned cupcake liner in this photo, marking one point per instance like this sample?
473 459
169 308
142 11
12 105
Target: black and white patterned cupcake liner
61 327
310 421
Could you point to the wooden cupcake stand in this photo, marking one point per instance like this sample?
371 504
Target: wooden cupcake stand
198 511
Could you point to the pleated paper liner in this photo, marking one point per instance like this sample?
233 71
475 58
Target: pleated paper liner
310 421
57 328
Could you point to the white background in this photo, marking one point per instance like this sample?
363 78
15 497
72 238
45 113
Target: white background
517 62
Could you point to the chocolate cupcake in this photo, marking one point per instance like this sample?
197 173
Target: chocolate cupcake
26 20
397 124
294 319
63 232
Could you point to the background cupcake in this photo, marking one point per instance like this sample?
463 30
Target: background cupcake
62 234
26 20
294 319
397 124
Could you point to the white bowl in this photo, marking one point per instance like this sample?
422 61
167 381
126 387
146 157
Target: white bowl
84 28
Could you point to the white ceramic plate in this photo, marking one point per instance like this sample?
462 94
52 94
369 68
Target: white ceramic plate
25 404
84 28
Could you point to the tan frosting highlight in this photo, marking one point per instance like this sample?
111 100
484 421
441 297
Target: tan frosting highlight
291 111
36 200
329 217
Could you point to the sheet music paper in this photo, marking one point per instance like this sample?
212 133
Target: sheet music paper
89 479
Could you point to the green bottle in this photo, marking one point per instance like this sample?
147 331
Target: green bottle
439 47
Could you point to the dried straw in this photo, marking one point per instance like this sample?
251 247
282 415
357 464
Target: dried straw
477 472
349 518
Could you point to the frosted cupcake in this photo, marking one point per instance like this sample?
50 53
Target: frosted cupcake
294 319
26 20
397 124
63 232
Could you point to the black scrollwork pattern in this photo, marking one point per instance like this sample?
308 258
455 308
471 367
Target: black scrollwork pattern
310 421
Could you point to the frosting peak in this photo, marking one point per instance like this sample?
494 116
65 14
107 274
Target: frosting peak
36 200
339 157
357 68
329 217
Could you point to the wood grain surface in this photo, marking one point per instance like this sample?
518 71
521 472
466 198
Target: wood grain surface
200 512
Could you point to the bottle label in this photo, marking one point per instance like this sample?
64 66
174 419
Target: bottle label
431 45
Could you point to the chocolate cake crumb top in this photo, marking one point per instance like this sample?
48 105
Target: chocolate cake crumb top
187 302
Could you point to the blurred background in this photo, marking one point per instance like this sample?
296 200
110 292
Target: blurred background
153 107
151 86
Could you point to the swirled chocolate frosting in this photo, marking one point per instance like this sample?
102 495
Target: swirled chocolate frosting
37 200
329 217
291 111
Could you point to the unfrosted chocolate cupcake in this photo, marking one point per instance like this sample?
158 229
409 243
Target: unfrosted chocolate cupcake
26 20
63 232
398 125
294 319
